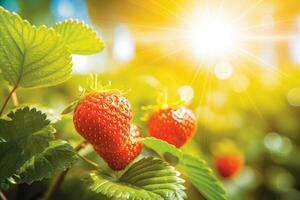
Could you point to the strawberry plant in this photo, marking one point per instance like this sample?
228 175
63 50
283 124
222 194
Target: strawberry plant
31 150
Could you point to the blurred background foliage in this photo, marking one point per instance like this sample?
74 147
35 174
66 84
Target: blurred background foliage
252 100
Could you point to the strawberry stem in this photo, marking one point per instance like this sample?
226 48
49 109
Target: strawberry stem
90 162
7 99
15 98
3 197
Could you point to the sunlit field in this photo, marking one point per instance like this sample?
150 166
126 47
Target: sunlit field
221 76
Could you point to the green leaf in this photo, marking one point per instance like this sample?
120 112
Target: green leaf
31 56
149 178
52 115
75 187
161 147
58 156
25 133
200 175
80 38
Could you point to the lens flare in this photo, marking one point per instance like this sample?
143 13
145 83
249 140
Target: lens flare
212 36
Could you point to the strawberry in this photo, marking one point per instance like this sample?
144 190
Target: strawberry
175 126
228 157
118 160
228 165
104 120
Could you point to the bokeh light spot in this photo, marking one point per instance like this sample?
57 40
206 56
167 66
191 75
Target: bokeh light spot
186 93
124 46
223 70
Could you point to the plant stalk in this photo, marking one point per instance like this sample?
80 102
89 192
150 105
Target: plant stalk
7 99
56 183
3 197
93 164
15 99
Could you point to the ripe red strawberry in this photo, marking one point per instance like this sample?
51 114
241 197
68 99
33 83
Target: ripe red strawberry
104 120
228 165
118 160
175 126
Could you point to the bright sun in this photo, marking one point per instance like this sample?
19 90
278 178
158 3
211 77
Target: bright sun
211 36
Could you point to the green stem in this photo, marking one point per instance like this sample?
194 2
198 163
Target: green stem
93 164
3 197
15 99
56 183
7 99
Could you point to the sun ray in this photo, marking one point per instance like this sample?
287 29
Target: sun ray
248 11
209 89
273 37
196 74
169 12
249 98
254 105
166 55
207 77
276 22
136 25
268 66
153 9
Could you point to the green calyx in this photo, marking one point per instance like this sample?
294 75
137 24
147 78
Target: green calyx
163 101
92 87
